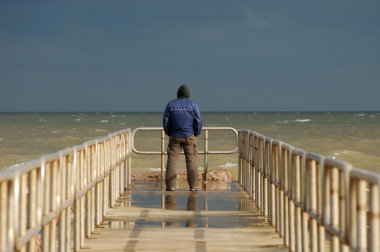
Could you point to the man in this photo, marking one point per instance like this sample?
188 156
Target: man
182 123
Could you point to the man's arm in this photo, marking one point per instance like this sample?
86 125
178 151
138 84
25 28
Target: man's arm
166 120
197 123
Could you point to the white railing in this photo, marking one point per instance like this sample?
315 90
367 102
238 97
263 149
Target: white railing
61 197
205 152
314 202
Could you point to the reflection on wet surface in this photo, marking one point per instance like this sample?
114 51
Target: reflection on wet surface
221 205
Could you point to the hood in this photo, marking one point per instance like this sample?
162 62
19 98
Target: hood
183 91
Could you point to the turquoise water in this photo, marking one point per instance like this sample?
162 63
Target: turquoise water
353 137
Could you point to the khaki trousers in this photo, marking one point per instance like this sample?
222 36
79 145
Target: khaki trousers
190 148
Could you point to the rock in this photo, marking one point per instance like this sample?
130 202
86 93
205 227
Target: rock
214 175
224 176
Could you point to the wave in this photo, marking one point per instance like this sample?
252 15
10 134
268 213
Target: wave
282 122
365 115
101 130
13 166
358 159
154 169
104 121
228 165
302 120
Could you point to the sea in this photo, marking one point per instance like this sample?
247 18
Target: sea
350 136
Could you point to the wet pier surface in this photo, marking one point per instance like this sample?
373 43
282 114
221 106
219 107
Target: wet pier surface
221 218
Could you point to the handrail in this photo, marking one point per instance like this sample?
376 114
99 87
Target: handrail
311 199
204 129
205 152
38 198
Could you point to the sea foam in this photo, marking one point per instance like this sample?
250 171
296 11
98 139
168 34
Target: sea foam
101 130
228 165
303 120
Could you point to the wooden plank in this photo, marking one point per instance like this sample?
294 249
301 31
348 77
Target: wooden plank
141 212
147 227
185 239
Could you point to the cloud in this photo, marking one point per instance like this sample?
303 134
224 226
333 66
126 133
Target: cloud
245 49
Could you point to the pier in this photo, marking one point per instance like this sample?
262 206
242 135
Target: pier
285 199
223 218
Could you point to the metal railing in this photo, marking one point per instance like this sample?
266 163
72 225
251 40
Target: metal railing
61 197
205 152
314 202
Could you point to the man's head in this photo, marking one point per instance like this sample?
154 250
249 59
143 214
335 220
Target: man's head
183 91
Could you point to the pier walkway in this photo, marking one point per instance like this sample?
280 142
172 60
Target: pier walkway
223 218
83 198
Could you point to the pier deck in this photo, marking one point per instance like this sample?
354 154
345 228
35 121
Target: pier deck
221 218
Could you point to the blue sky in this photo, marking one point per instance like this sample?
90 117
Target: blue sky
91 55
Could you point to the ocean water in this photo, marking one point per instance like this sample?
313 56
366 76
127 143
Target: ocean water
352 137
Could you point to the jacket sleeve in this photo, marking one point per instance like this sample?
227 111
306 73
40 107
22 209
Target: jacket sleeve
166 121
197 123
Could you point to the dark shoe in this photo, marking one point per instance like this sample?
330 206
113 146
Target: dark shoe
170 189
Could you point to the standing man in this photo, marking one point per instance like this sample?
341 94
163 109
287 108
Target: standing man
182 123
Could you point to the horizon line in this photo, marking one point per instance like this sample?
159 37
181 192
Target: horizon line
206 111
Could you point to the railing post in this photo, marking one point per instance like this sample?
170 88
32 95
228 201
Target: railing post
271 185
205 158
362 216
277 209
374 199
296 196
240 157
4 205
250 164
98 191
311 204
321 202
291 206
129 158
285 169
259 192
77 201
162 159
88 206
304 181
46 205
334 209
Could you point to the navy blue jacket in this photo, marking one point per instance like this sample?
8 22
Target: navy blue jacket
182 118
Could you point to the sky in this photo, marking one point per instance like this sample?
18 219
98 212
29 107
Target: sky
131 56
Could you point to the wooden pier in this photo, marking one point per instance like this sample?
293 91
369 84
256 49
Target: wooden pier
148 219
82 198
